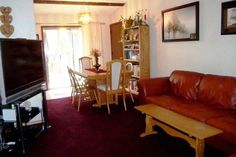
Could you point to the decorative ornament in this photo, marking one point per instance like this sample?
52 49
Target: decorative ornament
6 28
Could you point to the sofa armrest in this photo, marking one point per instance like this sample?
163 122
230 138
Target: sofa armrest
152 86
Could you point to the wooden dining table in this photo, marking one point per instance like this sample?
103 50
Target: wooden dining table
100 75
92 74
95 77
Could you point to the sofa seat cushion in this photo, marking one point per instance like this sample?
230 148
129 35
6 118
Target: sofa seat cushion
192 109
165 101
185 84
227 124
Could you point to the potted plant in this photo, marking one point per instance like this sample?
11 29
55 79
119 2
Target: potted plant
126 22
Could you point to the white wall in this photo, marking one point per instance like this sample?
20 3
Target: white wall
213 53
23 18
53 20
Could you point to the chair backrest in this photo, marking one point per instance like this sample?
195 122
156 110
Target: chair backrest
115 75
77 80
70 76
85 62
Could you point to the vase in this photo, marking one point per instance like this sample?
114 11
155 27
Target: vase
96 65
127 23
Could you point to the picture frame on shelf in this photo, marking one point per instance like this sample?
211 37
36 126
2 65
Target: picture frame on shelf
181 23
228 18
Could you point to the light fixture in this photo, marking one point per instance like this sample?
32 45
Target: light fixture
84 18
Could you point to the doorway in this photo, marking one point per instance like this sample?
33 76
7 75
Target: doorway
63 46
116 45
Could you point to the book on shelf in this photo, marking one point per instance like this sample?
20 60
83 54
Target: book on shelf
133 84
128 54
136 71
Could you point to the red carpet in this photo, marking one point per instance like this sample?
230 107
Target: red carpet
93 133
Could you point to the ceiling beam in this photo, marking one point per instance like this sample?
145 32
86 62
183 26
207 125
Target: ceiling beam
77 3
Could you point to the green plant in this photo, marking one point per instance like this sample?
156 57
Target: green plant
126 22
125 19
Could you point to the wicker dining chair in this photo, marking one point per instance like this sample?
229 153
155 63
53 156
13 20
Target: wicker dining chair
73 90
82 90
85 62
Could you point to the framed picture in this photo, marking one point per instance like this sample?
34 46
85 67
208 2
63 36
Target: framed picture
181 23
228 18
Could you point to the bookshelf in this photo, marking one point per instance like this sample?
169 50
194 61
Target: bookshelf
136 51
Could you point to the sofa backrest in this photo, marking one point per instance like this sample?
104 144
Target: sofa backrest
185 84
219 91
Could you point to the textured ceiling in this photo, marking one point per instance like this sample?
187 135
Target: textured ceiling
44 9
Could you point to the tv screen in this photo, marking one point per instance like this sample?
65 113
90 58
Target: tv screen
22 64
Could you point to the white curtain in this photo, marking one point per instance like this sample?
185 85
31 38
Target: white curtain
92 35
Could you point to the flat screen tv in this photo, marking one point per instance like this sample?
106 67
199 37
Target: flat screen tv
22 67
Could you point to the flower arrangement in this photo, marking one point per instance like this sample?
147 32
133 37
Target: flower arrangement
96 54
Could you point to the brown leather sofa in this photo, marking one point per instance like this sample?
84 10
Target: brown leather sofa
204 97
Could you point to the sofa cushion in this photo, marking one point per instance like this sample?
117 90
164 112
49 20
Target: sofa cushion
165 101
185 84
192 109
227 124
219 91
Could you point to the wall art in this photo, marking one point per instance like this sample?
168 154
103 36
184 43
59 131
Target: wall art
181 23
228 18
6 28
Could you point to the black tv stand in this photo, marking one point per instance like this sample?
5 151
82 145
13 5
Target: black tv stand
26 127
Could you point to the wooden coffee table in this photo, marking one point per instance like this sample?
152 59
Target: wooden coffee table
193 131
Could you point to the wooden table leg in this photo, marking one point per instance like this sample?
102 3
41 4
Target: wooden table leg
149 127
200 144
